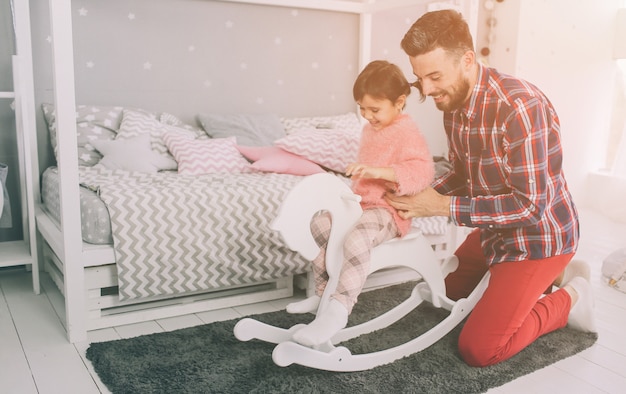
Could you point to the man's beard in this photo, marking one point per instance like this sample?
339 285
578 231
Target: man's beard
456 98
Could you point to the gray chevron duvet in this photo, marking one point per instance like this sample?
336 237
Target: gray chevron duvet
175 234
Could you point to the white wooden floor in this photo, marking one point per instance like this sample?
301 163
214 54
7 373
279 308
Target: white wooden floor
35 356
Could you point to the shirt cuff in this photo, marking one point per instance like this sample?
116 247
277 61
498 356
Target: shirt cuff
460 210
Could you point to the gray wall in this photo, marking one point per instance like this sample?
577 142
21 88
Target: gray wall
190 56
193 56
200 56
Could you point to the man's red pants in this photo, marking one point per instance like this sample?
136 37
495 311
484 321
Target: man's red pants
510 315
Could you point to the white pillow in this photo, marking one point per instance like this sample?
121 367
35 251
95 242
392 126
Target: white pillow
333 149
205 156
133 154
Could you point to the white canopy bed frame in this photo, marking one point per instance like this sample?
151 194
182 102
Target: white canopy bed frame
66 244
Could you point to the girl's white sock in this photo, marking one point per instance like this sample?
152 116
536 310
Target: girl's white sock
325 326
307 305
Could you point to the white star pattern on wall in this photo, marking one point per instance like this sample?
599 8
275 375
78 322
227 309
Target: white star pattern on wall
265 48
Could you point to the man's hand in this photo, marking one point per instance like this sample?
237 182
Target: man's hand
426 203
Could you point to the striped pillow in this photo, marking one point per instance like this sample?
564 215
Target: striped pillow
205 156
348 121
333 149
139 122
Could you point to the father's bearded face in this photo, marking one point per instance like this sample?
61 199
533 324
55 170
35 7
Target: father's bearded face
442 76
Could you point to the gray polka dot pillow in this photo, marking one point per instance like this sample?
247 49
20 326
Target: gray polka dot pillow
92 123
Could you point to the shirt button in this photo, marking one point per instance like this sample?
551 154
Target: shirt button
531 180
468 181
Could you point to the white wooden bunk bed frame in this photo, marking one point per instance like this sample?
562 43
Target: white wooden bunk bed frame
83 272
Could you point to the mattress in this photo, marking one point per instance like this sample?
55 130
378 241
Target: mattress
96 222
94 216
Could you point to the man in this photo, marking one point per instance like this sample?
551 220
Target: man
507 181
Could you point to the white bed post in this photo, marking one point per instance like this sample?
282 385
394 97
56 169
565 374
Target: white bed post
65 104
365 39
23 85
365 43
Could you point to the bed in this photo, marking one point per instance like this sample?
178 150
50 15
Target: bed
84 254
193 229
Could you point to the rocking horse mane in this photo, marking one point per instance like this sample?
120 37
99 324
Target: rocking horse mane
314 193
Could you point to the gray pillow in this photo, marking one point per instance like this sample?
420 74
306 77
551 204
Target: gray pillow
249 129
92 123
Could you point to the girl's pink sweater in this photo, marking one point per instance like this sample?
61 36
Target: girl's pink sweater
402 147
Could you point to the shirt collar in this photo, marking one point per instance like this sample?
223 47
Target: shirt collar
470 109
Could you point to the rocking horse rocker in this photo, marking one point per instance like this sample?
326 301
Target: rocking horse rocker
328 192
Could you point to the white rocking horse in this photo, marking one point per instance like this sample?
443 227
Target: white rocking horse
327 192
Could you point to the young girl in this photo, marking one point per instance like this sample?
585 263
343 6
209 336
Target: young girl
393 155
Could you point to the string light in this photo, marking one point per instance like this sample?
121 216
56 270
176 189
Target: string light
491 21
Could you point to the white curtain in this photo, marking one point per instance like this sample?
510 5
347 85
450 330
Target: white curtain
619 165
613 198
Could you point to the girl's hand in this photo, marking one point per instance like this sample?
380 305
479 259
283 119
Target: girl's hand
357 170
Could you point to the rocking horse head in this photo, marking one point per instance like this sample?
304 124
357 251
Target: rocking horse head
318 192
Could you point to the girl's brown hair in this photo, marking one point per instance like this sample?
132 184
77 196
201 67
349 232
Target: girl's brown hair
381 80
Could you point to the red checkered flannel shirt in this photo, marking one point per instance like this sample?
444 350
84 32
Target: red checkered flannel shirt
506 176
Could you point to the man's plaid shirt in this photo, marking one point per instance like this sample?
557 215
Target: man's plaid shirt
507 176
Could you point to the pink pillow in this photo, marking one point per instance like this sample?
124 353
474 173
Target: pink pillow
205 156
333 149
273 159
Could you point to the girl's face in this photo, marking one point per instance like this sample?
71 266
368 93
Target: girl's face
380 113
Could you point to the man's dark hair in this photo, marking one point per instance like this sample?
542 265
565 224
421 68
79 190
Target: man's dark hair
444 29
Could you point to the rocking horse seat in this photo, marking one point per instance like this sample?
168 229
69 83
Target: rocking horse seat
328 192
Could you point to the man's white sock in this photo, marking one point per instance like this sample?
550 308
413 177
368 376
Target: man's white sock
581 316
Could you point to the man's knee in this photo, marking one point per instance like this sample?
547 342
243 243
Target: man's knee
475 354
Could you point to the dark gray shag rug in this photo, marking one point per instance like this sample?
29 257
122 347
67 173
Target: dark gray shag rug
209 359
